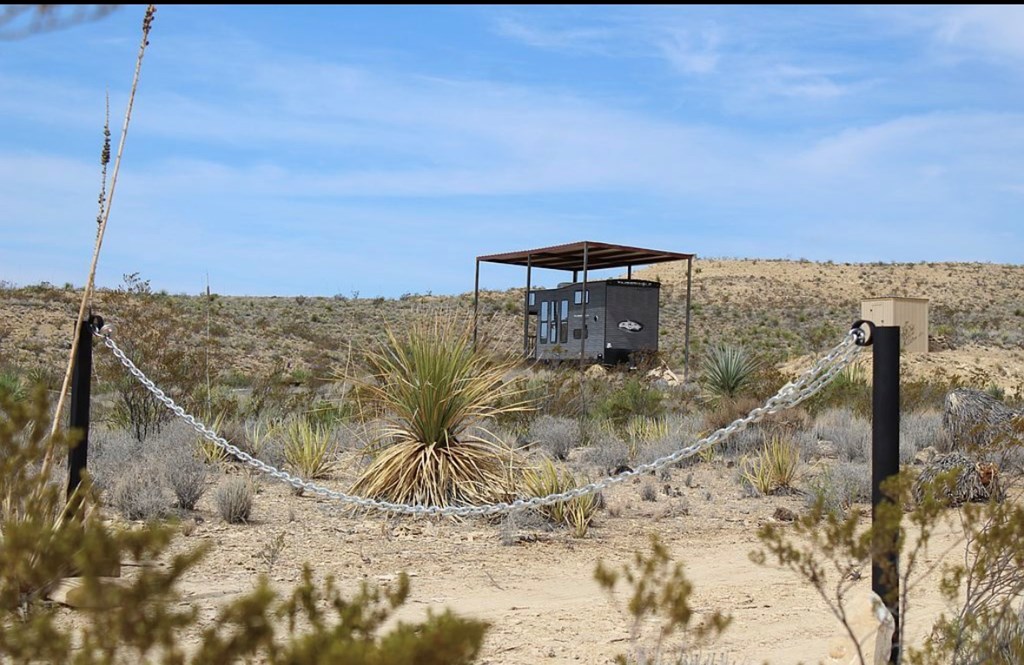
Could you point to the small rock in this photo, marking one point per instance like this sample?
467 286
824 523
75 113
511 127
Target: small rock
784 514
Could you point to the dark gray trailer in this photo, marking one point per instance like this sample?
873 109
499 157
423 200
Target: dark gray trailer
615 318
628 320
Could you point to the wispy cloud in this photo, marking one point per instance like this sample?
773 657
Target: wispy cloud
551 38
996 31
691 51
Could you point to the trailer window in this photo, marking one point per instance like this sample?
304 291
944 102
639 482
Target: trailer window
577 297
563 328
544 321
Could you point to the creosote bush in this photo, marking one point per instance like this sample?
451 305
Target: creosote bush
145 619
983 587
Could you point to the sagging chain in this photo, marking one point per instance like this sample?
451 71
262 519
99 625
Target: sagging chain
791 394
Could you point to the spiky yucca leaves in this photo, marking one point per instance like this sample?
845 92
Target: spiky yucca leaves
575 513
308 448
774 469
433 387
727 370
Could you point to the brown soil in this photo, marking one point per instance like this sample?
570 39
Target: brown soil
535 586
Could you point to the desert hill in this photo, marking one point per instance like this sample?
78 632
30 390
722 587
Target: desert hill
780 309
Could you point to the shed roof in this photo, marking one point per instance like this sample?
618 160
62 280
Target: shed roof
571 256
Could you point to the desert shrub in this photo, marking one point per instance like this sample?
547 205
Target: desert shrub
234 500
434 385
158 337
211 452
184 471
983 587
918 430
556 435
12 385
726 371
839 487
145 619
850 433
634 398
849 389
139 492
607 451
648 492
110 452
774 468
657 588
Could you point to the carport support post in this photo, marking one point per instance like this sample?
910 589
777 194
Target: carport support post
885 463
476 301
526 309
78 454
686 343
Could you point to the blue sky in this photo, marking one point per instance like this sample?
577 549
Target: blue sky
323 150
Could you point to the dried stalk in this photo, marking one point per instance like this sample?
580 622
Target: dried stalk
147 23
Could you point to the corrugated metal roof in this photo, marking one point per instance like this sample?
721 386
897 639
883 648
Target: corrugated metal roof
598 255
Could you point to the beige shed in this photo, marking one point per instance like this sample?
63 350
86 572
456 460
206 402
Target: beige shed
910 314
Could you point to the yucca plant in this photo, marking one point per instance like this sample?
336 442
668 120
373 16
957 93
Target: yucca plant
643 429
209 451
726 370
12 386
774 468
308 448
433 386
576 513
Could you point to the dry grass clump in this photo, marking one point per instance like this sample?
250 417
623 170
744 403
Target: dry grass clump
234 500
433 388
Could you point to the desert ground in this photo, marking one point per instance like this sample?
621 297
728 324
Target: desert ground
533 582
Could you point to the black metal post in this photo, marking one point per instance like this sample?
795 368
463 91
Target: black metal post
476 302
885 463
526 309
81 388
686 343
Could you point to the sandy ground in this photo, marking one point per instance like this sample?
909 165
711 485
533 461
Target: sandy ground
538 593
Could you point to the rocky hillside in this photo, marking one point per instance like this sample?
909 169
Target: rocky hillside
779 309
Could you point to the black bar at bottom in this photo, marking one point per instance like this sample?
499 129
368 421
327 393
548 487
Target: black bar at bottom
885 463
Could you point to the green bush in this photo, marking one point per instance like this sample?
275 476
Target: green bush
145 619
634 398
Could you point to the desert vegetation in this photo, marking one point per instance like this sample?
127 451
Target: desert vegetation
404 415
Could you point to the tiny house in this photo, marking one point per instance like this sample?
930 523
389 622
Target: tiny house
611 320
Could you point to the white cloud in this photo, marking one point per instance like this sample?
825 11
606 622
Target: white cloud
986 29
691 51
551 38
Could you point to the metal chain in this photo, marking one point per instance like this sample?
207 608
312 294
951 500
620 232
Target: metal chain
791 394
